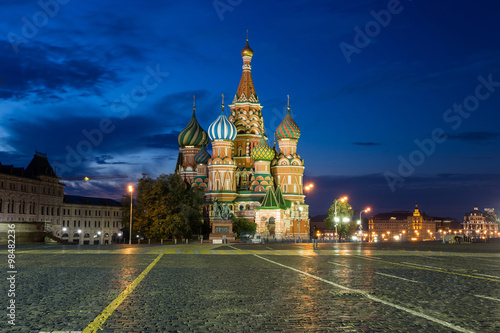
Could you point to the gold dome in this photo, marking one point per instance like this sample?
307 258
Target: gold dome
247 51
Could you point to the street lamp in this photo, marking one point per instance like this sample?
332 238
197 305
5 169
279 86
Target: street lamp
336 219
360 222
300 210
131 190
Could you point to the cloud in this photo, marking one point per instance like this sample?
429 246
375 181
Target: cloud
366 144
46 73
474 137
161 140
104 159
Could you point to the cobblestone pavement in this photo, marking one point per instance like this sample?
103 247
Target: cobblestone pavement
346 287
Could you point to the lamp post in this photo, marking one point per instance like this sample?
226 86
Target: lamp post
360 222
336 219
131 190
300 210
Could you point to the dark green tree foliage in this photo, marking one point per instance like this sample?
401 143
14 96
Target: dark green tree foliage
344 209
243 225
165 207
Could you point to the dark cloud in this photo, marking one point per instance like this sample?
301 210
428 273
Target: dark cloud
366 144
46 73
161 141
475 137
105 159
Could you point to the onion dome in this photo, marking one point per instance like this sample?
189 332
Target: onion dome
262 151
202 156
247 51
288 129
193 134
222 128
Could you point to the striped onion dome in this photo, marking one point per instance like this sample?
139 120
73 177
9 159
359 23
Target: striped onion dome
202 156
288 129
193 134
222 129
262 151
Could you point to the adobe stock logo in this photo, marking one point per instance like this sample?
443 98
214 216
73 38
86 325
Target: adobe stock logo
31 27
372 29
453 116
222 6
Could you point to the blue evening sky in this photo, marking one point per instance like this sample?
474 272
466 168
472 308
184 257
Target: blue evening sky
397 101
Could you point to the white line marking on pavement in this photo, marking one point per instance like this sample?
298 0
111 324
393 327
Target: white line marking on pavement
397 277
373 298
433 267
370 257
491 298
334 263
433 258
491 276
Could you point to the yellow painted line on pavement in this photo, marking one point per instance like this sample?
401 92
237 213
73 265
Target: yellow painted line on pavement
103 316
205 251
239 252
154 251
432 269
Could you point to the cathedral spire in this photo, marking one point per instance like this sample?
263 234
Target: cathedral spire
246 90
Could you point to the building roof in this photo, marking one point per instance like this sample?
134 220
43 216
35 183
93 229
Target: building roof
193 134
202 156
288 129
222 128
262 151
79 200
39 166
269 201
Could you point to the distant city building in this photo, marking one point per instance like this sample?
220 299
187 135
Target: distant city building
447 224
34 197
33 194
477 223
244 175
401 225
87 220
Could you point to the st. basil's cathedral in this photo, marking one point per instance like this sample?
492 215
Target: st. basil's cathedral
244 174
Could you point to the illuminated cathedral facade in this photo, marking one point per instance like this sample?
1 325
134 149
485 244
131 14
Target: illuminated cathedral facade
243 173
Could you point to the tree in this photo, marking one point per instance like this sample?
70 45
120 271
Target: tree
344 210
243 225
166 207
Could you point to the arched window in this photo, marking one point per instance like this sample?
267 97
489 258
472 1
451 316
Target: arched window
65 235
271 220
86 236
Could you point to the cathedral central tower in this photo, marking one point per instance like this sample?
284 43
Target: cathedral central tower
246 115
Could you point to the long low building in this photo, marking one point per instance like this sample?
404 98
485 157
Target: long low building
401 225
35 195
